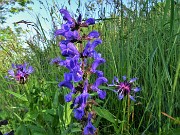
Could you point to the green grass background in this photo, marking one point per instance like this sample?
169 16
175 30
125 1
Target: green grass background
146 46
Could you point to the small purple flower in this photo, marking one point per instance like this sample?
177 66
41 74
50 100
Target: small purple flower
79 113
65 28
95 43
20 72
67 16
68 49
90 21
66 84
72 35
56 61
81 100
96 63
92 34
125 88
68 97
99 73
99 81
89 129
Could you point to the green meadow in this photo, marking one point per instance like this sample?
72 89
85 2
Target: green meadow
139 40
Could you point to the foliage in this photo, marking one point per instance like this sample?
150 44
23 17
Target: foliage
135 44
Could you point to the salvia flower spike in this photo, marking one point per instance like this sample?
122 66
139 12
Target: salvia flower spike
80 69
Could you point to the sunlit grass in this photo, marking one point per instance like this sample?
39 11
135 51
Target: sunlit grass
146 47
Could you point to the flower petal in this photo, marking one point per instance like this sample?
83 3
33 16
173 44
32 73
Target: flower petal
68 97
136 89
79 113
93 34
121 96
124 78
132 80
132 98
96 63
66 14
90 21
101 94
66 84
100 81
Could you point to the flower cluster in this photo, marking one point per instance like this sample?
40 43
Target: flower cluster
125 88
20 72
82 60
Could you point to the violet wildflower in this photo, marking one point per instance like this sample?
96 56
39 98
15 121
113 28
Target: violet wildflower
125 88
94 87
57 61
89 128
80 69
90 21
20 72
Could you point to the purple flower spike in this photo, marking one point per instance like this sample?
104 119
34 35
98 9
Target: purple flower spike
90 21
89 129
80 69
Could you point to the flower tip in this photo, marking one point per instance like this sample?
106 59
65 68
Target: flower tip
133 80
120 96
137 89
124 77
132 98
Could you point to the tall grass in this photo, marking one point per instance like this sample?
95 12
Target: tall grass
139 43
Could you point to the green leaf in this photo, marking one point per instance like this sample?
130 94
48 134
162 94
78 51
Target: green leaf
23 98
21 130
105 114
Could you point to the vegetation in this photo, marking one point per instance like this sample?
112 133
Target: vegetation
140 39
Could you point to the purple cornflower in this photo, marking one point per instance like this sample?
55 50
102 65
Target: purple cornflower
89 129
20 72
125 88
